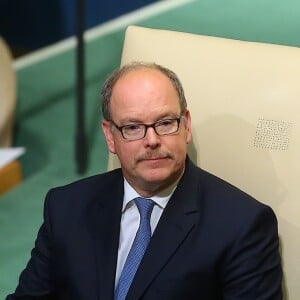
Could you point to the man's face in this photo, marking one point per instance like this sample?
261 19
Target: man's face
154 162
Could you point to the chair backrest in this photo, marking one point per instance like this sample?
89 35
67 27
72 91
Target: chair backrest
244 99
7 95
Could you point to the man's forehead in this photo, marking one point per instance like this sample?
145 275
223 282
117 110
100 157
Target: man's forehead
142 72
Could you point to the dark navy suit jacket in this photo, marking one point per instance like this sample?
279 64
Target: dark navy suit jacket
212 242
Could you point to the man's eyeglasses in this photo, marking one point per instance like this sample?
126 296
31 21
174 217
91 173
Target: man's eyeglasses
137 131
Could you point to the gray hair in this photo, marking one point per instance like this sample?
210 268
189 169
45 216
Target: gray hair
110 82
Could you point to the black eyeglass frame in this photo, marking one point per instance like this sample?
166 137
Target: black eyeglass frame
146 126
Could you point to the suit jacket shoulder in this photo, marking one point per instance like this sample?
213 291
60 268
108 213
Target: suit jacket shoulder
84 191
218 191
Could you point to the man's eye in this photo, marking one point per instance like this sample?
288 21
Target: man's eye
165 123
133 127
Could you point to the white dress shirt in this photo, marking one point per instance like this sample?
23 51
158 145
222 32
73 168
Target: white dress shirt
130 220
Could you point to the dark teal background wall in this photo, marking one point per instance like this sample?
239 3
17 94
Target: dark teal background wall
33 23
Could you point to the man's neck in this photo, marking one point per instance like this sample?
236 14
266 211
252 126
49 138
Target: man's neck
152 189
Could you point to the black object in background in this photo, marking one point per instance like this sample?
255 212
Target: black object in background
80 138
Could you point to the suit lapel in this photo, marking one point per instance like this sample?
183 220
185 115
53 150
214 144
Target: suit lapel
104 223
177 221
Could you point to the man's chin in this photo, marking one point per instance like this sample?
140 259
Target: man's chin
156 176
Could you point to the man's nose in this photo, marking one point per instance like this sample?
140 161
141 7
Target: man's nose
151 138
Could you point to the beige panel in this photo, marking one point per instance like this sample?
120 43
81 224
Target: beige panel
7 95
244 99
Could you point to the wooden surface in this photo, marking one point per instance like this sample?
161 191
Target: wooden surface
10 176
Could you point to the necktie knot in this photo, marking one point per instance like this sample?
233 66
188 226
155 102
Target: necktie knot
145 207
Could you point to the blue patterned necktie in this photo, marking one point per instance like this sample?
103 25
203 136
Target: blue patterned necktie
138 247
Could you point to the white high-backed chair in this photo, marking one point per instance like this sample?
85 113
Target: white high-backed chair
244 99
7 95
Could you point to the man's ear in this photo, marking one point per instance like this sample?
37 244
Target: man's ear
109 137
188 126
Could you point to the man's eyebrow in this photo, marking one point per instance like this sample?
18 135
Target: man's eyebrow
131 121
165 115
168 115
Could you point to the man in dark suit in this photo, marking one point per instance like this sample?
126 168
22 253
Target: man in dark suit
209 240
